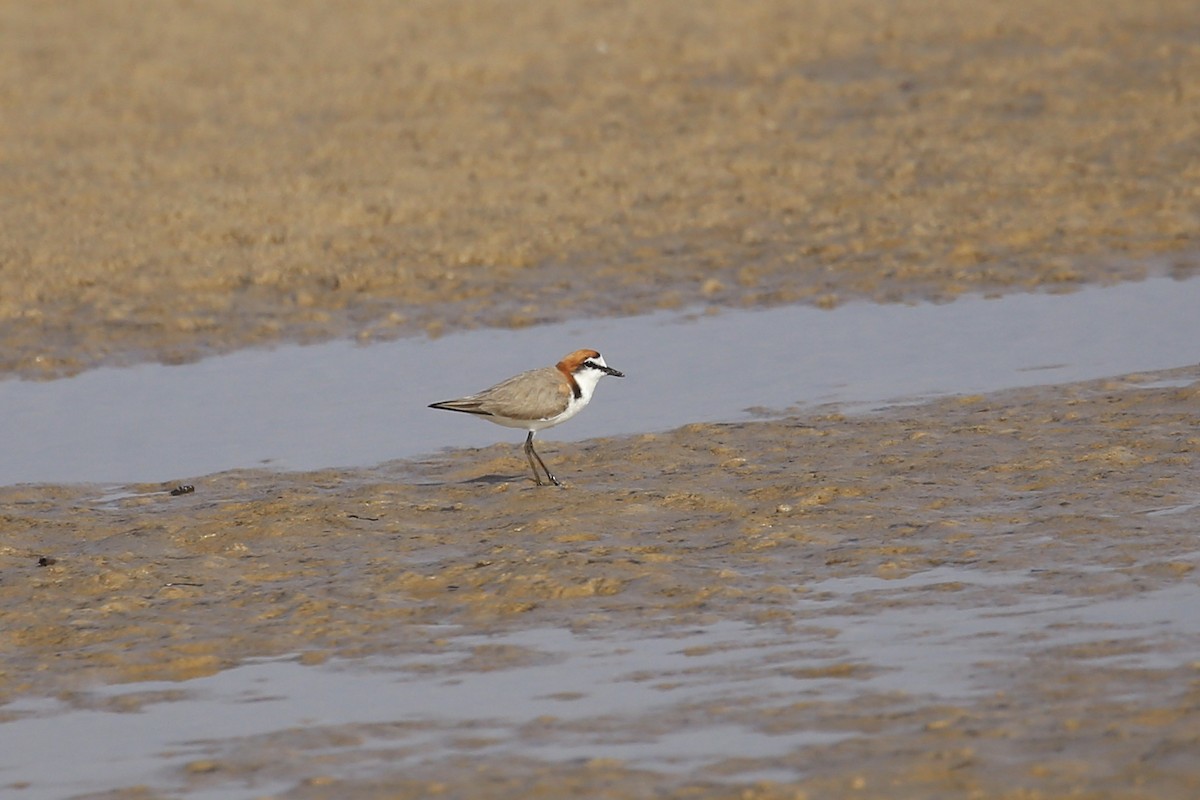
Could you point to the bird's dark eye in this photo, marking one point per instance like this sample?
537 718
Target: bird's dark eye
592 364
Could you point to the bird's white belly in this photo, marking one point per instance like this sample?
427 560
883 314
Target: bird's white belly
571 410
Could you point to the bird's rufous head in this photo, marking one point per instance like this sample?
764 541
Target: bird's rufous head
580 360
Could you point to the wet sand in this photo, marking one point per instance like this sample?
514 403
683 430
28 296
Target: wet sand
197 177
185 179
1087 491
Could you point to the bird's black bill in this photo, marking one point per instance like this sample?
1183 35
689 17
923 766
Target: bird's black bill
616 373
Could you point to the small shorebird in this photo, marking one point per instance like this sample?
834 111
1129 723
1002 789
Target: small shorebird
538 399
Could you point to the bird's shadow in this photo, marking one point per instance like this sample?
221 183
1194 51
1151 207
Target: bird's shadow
520 480
498 478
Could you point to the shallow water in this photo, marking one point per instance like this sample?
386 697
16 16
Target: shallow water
854 659
341 404
939 636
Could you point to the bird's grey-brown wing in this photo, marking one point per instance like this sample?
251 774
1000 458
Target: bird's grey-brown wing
536 394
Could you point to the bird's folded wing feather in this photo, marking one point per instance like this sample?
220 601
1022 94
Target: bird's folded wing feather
539 394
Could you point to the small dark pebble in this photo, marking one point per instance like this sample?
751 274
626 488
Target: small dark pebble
45 561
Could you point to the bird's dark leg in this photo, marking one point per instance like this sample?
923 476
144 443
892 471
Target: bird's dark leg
531 454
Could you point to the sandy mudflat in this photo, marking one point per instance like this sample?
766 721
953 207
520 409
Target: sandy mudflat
1080 496
181 179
